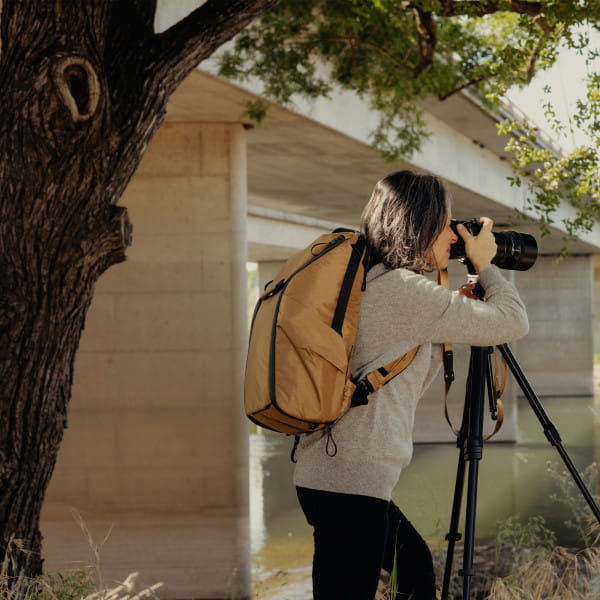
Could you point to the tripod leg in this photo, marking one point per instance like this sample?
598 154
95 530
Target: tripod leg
549 429
471 444
453 536
472 450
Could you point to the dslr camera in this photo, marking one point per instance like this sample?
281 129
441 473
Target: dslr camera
516 251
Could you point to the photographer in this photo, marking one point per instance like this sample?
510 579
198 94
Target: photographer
347 497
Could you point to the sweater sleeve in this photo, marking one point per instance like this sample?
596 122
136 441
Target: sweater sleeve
430 313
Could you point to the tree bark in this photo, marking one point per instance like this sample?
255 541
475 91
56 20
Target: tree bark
84 87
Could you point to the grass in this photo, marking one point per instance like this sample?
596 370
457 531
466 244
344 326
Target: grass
538 570
542 574
523 563
560 575
79 584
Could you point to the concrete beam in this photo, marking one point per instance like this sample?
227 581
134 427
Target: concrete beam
274 235
317 160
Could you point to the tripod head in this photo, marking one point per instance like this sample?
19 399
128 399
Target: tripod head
473 277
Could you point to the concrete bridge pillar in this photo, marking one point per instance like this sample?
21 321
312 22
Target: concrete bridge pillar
557 354
157 450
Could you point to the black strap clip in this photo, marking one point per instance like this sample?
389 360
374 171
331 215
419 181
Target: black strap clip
361 394
448 366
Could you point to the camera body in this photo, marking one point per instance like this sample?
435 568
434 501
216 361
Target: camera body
516 251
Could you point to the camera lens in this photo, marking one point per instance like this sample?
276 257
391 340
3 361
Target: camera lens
516 251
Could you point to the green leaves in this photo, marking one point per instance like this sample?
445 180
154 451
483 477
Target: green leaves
396 54
552 176
256 111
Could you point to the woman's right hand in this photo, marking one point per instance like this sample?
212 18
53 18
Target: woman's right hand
481 248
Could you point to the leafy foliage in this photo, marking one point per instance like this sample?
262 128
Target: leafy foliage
62 586
519 542
582 519
396 54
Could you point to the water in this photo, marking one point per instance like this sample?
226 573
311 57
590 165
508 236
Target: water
514 479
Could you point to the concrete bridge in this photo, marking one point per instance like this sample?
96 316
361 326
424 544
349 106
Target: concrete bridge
157 445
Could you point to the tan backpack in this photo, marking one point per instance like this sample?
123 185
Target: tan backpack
298 375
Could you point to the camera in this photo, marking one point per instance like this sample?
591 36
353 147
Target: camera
516 251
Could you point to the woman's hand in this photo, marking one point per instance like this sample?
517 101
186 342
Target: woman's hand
481 248
467 290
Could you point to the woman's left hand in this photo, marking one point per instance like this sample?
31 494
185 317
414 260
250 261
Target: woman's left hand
467 290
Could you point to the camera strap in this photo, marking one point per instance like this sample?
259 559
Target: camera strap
447 357
497 408
447 352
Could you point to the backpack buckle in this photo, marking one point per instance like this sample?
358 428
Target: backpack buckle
361 394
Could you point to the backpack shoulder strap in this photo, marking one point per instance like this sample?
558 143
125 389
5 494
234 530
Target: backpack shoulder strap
377 378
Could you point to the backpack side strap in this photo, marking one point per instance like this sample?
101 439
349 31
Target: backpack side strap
377 378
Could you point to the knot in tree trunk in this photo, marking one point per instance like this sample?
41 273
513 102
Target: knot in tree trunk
78 86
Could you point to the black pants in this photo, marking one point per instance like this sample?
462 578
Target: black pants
355 536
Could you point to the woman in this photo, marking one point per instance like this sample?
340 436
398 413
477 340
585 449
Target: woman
347 497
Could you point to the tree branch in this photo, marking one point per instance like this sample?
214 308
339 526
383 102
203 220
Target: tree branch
464 86
480 8
145 11
134 16
531 69
452 8
425 25
182 47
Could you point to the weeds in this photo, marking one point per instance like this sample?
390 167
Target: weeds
537 571
582 519
78 584
58 586
524 564
561 575
519 543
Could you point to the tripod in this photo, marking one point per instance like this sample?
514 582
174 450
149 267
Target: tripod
470 441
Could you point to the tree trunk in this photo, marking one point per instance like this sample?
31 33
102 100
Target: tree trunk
59 230
84 87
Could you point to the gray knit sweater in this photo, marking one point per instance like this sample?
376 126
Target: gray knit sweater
400 310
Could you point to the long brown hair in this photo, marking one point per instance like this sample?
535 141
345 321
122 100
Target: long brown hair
404 216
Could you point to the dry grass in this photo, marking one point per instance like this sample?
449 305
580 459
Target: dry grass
130 589
561 575
77 584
